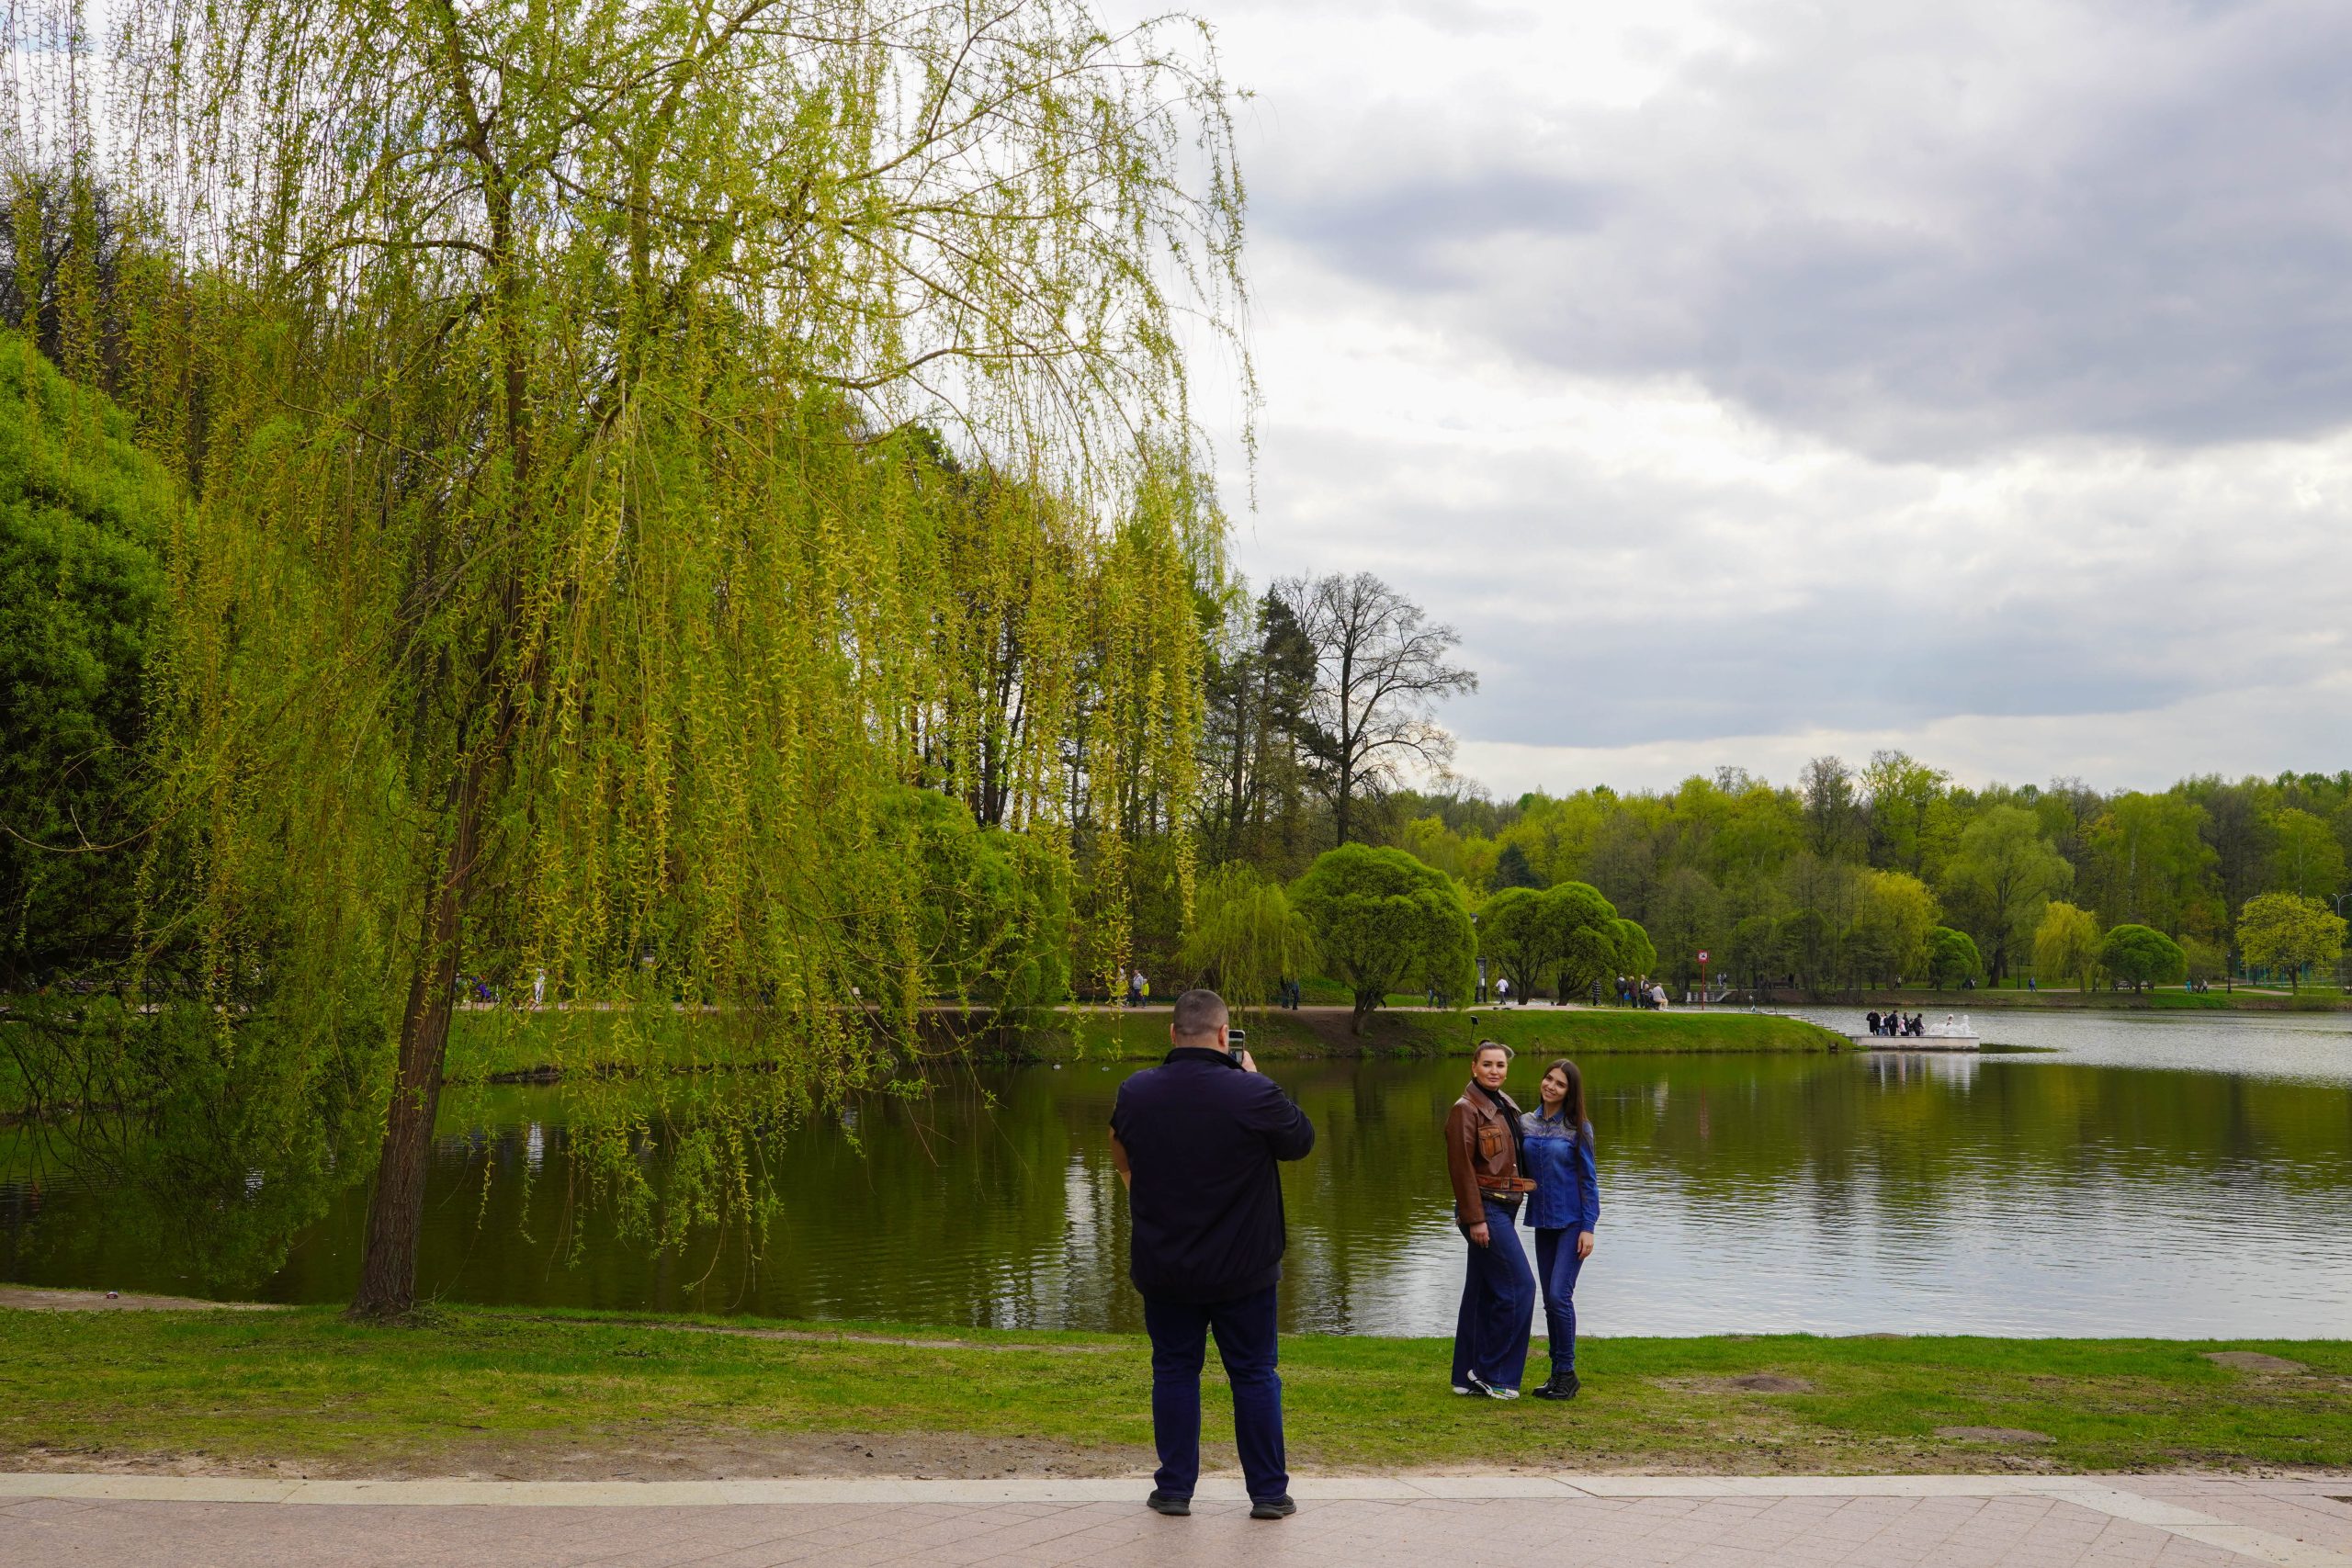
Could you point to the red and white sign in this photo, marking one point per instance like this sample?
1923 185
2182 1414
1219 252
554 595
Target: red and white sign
1703 956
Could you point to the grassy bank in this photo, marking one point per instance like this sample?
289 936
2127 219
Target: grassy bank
509 1393
504 1044
1324 1031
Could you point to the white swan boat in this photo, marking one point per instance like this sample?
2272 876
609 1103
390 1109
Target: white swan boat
1952 1033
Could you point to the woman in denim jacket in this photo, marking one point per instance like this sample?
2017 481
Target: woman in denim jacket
1563 1208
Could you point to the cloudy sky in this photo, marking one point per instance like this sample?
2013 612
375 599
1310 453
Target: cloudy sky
1752 380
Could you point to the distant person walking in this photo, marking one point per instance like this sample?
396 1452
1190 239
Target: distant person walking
1497 1291
1565 1207
1197 1140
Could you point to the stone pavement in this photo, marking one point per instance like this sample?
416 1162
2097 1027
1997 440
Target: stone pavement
1503 1521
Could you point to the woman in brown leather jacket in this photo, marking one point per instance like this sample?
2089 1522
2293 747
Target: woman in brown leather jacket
1499 1295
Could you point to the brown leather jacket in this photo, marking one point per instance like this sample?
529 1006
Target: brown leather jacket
1482 1152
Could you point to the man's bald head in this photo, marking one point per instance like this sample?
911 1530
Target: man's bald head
1199 1016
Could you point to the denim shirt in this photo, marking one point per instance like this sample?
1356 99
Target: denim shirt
1567 1187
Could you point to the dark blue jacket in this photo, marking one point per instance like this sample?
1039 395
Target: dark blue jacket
1567 1187
1202 1138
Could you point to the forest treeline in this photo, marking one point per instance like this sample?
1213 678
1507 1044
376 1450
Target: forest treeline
1848 876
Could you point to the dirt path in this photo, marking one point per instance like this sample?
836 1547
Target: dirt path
34 1298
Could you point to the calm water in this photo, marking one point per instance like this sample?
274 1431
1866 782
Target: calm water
2159 1175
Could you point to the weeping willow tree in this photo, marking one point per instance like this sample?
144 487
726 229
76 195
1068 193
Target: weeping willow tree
629 446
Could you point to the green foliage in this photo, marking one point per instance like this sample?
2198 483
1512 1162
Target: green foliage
1773 880
1246 938
2207 959
2067 945
83 515
2151 862
1630 950
1892 921
1565 936
1519 935
2306 859
991 911
579 577
1471 860
1901 797
2287 931
1512 870
1951 957
1386 923
2002 873
2140 956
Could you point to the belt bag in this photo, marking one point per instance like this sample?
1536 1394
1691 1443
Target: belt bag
1513 1185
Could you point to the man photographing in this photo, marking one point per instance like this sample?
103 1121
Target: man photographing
1197 1140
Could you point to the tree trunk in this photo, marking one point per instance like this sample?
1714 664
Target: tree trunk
396 1209
1363 1010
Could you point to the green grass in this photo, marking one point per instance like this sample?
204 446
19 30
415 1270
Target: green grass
1276 1033
303 1388
501 1044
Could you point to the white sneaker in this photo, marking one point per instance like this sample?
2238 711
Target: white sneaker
1480 1385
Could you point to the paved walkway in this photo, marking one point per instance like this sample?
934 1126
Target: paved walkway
1371 1522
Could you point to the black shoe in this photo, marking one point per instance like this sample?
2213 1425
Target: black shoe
1168 1503
1563 1385
1279 1507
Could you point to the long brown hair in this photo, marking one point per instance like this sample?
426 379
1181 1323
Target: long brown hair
1572 1109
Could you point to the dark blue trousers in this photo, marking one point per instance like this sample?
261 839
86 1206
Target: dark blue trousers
1497 1303
1556 1267
1245 1343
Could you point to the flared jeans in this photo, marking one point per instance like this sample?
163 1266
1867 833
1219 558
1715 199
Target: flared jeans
1497 1304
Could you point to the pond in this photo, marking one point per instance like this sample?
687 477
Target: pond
2166 1175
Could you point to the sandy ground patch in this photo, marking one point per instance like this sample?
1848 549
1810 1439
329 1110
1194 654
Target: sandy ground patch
33 1298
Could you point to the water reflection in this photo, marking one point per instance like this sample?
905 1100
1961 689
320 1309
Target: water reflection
1928 1193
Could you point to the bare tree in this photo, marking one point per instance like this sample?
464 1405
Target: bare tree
1380 669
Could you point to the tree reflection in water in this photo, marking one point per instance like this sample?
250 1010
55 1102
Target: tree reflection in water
1746 1191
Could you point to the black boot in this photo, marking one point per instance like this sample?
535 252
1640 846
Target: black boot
1563 1385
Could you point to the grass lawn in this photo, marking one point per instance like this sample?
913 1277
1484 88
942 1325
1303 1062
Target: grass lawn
492 1044
532 1394
1276 1034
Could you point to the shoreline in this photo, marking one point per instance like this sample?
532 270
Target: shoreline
2173 1001
509 1048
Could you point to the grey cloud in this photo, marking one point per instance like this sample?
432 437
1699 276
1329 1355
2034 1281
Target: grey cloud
1613 611
1432 234
1922 240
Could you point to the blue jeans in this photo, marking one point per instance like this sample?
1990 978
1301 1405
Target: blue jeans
1498 1301
1556 1266
1245 1343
